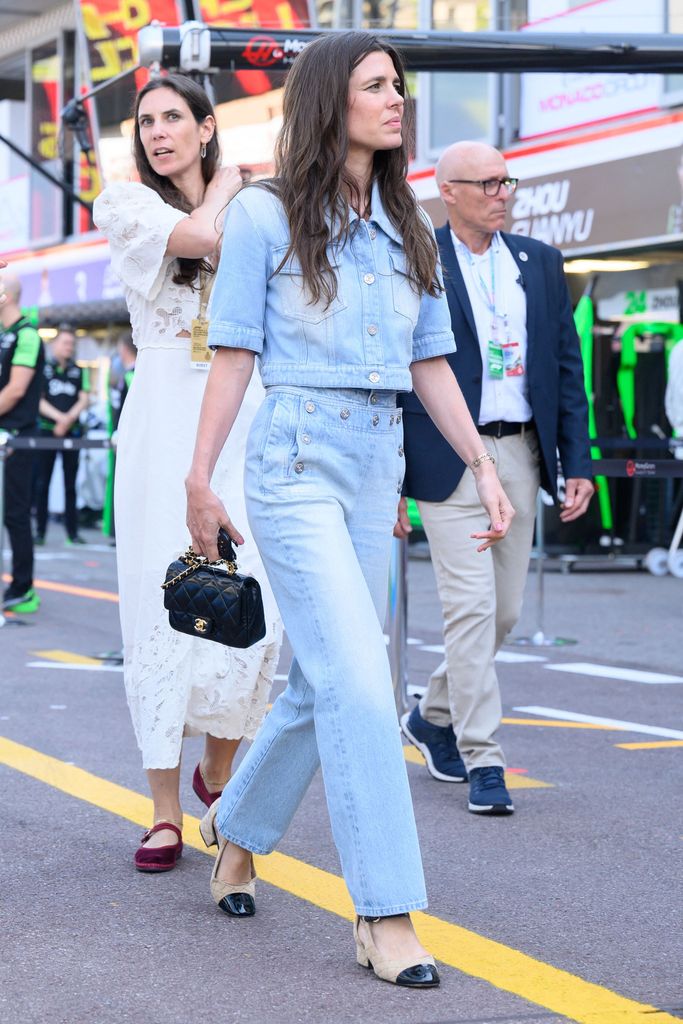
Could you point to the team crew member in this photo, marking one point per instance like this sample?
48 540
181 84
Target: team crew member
64 397
21 367
119 388
120 380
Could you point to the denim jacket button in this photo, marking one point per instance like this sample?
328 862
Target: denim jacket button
298 467
345 414
375 420
373 377
369 278
306 438
372 329
310 407
400 451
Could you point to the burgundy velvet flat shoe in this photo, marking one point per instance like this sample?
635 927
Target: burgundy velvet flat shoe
199 786
160 858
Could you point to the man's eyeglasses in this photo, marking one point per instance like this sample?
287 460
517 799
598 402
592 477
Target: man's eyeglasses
491 186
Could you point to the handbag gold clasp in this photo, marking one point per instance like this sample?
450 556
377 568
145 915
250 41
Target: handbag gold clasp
193 562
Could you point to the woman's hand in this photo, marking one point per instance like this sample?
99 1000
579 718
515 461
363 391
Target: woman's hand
197 236
402 529
226 183
205 514
495 502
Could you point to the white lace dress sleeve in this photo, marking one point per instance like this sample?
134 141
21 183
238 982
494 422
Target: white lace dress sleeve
137 224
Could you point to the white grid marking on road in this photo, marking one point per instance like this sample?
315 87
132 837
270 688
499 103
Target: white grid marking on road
509 656
629 675
72 666
615 723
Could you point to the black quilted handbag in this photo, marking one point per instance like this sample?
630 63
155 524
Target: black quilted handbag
212 600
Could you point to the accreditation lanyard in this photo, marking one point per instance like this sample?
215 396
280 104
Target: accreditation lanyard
503 354
200 353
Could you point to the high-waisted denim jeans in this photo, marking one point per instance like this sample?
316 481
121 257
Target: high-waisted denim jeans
323 477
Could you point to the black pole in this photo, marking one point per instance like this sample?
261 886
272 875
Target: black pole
198 47
57 182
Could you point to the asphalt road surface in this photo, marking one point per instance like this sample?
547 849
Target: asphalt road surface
568 910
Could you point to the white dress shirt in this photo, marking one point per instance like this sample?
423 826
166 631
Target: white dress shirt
506 399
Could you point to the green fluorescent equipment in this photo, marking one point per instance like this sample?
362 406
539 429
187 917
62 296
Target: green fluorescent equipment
671 333
584 319
108 510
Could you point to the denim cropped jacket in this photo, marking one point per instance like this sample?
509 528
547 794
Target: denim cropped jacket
367 337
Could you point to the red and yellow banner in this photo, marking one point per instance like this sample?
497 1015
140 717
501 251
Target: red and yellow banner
111 28
285 14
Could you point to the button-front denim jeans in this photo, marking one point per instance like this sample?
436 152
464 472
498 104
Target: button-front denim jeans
323 477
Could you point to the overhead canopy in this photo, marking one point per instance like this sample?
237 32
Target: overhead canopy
196 47
95 313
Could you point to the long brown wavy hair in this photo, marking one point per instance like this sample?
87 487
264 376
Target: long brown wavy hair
201 108
312 182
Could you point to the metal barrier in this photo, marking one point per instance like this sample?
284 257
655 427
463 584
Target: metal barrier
398 582
398 622
398 572
539 638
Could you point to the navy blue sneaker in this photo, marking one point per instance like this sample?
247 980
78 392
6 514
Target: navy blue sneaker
438 744
488 792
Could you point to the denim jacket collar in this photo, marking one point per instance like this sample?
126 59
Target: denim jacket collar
378 216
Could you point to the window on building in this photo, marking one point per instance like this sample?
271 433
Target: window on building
14 172
460 105
673 84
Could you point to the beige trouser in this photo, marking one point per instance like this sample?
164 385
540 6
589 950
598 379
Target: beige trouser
481 596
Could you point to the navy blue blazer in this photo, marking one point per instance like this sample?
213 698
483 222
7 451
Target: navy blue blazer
554 373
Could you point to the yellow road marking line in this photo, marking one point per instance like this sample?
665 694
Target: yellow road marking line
68 657
499 965
512 780
559 724
68 588
659 745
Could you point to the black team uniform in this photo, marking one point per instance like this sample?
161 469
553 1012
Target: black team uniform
61 387
20 345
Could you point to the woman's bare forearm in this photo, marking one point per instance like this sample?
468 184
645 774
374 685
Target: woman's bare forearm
229 378
440 393
437 388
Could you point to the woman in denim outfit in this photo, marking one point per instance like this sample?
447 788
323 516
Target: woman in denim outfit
330 277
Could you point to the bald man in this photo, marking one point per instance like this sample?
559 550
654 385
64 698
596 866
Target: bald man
21 373
519 367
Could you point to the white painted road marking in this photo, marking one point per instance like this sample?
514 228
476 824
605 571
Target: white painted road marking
509 656
515 658
614 723
74 666
630 675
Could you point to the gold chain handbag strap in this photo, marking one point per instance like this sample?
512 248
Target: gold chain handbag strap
194 562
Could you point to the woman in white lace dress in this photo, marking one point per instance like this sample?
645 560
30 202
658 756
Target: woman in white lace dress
163 234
